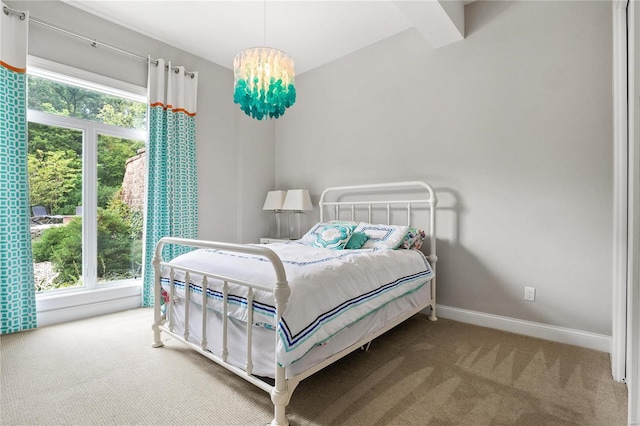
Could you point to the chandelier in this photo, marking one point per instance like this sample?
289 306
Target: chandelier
264 83
264 80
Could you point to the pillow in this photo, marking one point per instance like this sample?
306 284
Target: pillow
413 239
311 234
333 237
356 241
382 236
350 223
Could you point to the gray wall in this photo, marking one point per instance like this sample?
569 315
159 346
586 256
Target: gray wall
233 172
512 126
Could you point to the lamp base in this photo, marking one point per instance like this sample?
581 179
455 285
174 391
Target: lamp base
278 227
296 225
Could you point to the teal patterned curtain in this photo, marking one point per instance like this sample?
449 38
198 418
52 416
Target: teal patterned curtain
17 290
172 184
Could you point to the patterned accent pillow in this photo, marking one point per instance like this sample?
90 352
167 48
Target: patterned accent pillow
382 236
356 241
413 239
333 237
312 233
350 223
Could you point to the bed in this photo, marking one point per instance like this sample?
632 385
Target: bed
275 314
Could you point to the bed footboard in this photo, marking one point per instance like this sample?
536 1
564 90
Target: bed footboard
280 392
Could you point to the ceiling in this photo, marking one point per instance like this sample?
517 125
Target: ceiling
313 33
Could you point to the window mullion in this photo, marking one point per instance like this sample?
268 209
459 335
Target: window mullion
90 208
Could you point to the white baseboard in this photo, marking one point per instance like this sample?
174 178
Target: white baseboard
73 306
598 342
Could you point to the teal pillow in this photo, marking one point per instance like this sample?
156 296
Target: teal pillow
357 240
333 237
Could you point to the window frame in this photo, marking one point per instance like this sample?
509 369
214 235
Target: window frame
90 130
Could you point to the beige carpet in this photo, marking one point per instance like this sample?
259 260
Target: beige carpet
104 371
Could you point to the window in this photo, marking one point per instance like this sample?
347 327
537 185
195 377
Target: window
86 179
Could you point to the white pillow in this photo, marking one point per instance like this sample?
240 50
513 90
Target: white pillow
350 223
382 236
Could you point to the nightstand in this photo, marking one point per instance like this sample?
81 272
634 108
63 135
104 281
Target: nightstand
268 240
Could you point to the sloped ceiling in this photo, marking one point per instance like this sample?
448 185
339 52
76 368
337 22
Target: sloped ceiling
311 32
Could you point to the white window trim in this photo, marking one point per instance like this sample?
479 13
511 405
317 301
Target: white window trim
85 125
57 307
69 75
70 304
90 130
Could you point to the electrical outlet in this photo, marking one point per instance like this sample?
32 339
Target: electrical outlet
530 293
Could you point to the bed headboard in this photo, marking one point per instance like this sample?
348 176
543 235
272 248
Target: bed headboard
420 194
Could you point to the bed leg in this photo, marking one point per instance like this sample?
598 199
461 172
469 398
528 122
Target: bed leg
157 341
157 297
279 399
432 315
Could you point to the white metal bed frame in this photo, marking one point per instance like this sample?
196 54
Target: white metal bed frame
283 388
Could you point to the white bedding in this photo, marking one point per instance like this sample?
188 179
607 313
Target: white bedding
263 346
330 289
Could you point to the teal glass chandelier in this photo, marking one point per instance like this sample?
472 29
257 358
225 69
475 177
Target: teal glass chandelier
264 80
264 83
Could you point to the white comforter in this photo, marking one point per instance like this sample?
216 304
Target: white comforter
330 289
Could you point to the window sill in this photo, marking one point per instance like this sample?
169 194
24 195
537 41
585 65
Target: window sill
57 307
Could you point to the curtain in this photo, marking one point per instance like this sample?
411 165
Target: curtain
17 290
172 185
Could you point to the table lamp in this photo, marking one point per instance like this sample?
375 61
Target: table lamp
297 201
274 202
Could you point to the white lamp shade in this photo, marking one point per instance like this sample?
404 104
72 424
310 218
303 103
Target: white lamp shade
275 200
297 199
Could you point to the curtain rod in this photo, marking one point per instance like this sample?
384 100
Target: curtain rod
93 42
